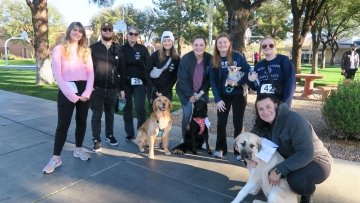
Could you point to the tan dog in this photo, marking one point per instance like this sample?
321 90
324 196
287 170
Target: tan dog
248 144
159 124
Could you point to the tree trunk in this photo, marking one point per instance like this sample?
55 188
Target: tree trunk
304 17
238 14
39 13
323 59
316 39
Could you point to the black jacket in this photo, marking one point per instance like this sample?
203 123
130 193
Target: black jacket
136 60
109 66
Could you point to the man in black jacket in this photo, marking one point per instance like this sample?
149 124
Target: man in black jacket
109 70
350 63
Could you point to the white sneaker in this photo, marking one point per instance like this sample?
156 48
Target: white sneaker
79 153
218 154
238 157
50 167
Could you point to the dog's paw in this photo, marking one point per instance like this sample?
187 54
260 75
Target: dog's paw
141 149
167 152
209 151
194 152
178 151
151 156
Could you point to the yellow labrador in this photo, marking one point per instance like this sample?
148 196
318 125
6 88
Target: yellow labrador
248 144
159 124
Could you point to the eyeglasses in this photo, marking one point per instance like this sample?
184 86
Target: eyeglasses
107 30
133 34
265 45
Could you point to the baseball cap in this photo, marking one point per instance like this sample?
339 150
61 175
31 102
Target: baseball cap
106 25
167 35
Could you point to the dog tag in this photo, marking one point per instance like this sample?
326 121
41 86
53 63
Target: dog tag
160 133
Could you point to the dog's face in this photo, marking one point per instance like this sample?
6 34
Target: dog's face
200 109
162 103
247 144
233 69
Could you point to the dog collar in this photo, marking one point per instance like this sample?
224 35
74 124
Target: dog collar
201 123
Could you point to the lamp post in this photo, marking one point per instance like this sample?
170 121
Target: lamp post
23 36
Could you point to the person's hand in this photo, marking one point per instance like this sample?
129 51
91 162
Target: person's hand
192 99
220 106
158 94
274 178
198 95
122 95
252 76
83 99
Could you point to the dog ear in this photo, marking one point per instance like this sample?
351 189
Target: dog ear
170 104
154 105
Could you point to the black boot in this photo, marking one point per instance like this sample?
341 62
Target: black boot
307 199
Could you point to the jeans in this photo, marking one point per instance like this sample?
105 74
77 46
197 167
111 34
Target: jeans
103 100
303 180
65 111
238 104
187 113
139 93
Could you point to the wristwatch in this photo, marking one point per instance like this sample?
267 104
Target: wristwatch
277 171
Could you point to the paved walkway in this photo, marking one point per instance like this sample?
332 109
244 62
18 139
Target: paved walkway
121 173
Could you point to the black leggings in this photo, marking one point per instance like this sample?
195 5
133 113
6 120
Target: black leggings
303 180
65 111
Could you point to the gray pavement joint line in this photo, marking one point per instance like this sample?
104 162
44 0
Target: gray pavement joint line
187 182
79 181
28 147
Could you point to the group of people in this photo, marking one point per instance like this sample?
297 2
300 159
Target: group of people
95 76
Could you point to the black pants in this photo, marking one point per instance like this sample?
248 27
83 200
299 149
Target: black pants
65 111
139 93
238 104
103 100
350 73
303 180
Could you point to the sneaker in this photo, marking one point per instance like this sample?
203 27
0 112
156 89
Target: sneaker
129 138
218 154
111 140
97 146
50 167
79 153
238 157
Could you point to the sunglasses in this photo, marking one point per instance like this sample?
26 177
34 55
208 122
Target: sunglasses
133 34
107 30
265 45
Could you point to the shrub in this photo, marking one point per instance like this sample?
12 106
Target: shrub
341 110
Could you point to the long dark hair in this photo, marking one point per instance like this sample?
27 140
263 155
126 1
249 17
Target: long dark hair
259 123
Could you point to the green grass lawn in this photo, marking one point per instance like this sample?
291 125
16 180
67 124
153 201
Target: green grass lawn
19 62
331 75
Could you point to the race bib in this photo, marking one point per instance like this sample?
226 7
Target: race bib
267 89
136 81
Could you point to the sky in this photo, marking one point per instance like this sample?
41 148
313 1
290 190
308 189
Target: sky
82 11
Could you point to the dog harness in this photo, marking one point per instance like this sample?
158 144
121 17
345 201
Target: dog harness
201 123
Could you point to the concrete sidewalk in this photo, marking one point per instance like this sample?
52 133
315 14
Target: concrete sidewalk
121 173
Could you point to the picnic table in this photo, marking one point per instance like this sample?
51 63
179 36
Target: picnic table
309 83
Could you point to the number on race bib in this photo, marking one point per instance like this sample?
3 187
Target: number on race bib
136 81
267 89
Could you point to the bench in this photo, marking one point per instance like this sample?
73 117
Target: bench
325 91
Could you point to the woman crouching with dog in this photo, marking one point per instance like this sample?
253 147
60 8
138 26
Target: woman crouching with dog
228 73
307 161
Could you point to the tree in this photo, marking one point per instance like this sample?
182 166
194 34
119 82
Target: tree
272 19
39 14
239 12
304 17
184 18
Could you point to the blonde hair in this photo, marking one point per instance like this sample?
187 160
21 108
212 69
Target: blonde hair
216 57
83 49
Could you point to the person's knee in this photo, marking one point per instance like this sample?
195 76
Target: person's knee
301 185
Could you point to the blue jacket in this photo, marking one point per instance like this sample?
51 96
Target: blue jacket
282 72
219 76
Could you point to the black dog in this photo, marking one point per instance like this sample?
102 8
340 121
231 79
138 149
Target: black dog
197 132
